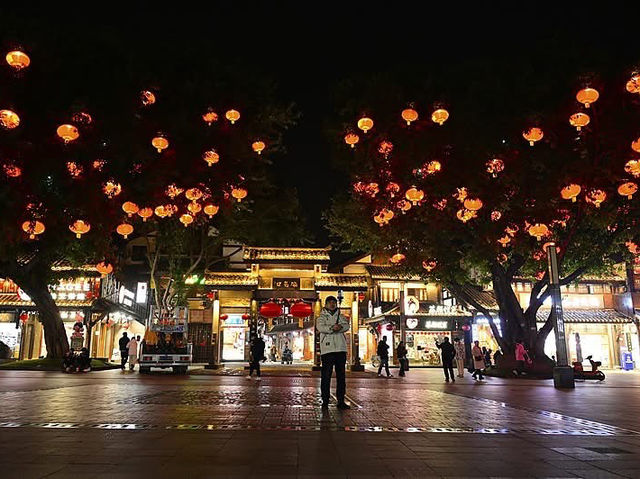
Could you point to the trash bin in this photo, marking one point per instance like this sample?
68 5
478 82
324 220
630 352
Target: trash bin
627 361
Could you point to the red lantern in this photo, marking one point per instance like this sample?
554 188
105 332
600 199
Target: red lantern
389 327
271 309
466 327
224 316
360 296
301 310
246 316
24 317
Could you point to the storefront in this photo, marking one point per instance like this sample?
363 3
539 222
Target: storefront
300 340
234 334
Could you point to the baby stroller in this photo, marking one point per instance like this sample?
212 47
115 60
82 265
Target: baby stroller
287 356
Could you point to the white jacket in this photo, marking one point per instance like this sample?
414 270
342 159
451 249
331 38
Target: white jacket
332 341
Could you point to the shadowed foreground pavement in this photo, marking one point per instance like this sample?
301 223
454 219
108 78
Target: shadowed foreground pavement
114 424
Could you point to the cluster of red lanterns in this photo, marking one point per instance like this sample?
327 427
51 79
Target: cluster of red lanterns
273 309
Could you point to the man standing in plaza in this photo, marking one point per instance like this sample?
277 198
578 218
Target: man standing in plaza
332 326
383 352
448 353
124 349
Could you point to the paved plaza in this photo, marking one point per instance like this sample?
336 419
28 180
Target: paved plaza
114 424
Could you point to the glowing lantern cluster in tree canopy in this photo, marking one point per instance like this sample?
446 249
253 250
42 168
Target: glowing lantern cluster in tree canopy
385 147
539 230
172 191
461 194
473 204
570 192
104 268
532 135
505 240
12 171
211 157
351 139
632 167
194 207
147 98
439 116
433 167
384 216
239 193
579 120
111 189
465 215
124 229
392 189
160 142
403 205
80 227
495 166
587 96
210 116
365 124
18 60
633 85
635 145
596 197
397 258
130 208
628 189
9 119
258 146
414 195
33 228
429 264
232 116
193 194
68 133
409 115
145 213
210 210
186 219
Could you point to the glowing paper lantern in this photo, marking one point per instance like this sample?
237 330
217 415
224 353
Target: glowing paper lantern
193 194
351 139
587 96
111 189
147 98
9 119
18 60
211 157
160 143
210 116
579 120
596 197
33 228
68 133
124 229
258 146
232 116
632 167
186 219
414 195
79 227
539 230
104 268
532 135
570 192
429 264
211 210
397 258
473 204
409 115
239 193
130 208
628 189
365 124
495 166
145 213
440 116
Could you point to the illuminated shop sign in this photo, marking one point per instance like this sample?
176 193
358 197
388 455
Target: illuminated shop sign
436 325
415 323
286 283
126 297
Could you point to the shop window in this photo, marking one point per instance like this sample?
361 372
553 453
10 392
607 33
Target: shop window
389 295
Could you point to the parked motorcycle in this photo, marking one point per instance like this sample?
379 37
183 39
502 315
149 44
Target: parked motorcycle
595 373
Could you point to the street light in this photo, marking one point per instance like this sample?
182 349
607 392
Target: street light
562 372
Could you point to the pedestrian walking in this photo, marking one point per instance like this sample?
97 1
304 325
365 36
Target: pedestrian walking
124 350
522 357
460 356
132 351
448 353
401 352
256 354
383 352
478 361
487 358
332 326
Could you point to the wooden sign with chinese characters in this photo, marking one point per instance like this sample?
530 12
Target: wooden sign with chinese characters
286 283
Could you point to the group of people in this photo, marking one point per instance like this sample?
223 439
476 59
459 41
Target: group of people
75 363
128 350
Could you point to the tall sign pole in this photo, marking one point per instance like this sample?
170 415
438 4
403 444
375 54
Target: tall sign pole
562 372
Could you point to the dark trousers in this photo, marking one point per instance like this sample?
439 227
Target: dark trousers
447 365
254 365
404 365
477 372
124 355
520 367
384 362
329 361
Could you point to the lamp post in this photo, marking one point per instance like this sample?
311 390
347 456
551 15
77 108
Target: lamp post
562 372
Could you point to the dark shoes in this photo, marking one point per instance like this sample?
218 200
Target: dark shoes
343 405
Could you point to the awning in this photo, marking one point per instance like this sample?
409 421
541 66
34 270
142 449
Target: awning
288 327
593 316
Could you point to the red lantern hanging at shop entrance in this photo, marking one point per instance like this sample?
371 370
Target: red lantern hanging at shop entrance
301 310
271 309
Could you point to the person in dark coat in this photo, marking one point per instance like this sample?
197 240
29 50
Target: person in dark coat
124 350
448 352
256 355
383 352
401 351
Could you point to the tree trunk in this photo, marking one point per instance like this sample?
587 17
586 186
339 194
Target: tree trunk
55 336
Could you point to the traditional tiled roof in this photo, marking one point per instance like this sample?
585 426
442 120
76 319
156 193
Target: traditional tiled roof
317 255
61 264
343 281
230 280
388 272
485 298
586 316
13 300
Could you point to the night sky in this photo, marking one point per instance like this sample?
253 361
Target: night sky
309 48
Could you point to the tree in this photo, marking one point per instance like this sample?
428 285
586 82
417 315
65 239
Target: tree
484 202
141 159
